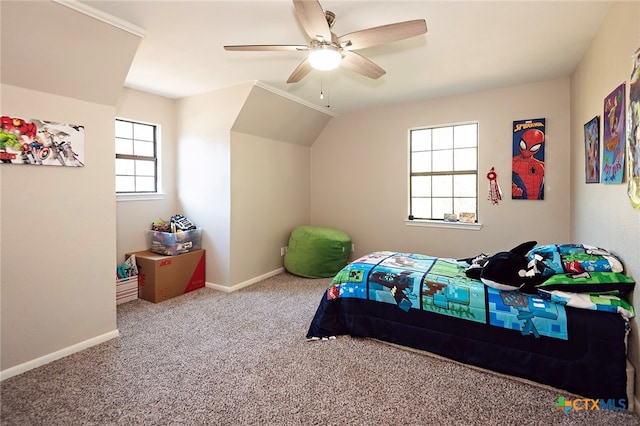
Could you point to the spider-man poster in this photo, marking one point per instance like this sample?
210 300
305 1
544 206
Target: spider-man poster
527 173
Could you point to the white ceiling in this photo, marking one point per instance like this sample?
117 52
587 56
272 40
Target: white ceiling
469 46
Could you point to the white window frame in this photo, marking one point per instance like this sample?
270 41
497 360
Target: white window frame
143 195
432 221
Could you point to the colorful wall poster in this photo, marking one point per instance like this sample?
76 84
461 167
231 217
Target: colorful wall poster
633 137
613 139
527 174
39 142
592 150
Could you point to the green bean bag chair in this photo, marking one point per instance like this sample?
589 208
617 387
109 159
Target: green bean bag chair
316 252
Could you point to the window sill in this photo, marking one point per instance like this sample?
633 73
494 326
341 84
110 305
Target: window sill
443 224
141 197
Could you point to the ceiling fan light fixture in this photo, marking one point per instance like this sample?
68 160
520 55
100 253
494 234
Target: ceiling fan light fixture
325 57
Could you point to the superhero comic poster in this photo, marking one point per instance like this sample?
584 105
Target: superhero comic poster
39 142
527 172
613 136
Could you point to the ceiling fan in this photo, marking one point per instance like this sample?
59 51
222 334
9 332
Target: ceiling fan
327 51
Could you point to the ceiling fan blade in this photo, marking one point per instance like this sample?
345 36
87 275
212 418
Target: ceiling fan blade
266 47
313 20
361 65
383 34
300 72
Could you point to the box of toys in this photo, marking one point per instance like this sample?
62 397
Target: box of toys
177 236
127 281
126 289
163 277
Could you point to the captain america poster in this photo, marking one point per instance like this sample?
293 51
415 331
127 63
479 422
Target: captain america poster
527 172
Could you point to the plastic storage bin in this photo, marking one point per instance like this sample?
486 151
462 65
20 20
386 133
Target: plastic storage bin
169 243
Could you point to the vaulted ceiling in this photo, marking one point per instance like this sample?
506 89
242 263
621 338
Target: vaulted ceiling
469 46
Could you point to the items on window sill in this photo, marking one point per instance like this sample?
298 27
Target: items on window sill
467 217
450 217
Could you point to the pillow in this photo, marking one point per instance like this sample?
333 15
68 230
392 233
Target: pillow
590 282
575 258
596 302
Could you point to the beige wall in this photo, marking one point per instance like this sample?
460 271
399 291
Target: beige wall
245 190
58 243
602 214
134 216
204 171
58 240
270 187
359 172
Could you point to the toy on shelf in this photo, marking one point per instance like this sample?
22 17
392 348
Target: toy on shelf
127 280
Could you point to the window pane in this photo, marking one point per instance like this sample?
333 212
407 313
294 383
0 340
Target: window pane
125 167
144 149
466 136
441 206
421 186
443 160
420 140
124 129
465 159
144 183
464 205
443 138
143 132
421 162
145 168
442 186
124 146
137 140
125 184
444 171
421 207
465 186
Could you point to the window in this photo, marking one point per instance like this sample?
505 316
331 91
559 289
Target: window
136 157
443 171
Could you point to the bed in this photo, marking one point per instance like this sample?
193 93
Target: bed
570 335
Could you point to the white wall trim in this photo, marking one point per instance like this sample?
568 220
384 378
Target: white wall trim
443 224
19 369
294 98
141 196
102 16
244 283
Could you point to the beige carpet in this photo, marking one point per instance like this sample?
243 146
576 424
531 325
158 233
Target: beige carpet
212 358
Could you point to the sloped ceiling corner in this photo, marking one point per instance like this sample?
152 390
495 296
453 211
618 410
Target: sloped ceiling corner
52 47
272 116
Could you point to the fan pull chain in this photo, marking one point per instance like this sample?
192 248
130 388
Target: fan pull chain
322 93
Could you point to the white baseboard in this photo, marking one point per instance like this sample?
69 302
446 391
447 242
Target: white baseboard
244 284
19 369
